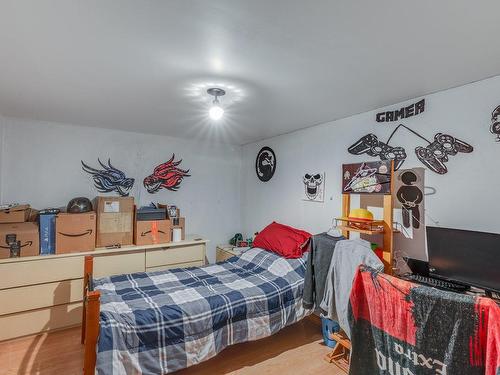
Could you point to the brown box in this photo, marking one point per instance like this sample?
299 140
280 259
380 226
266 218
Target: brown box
182 225
17 214
115 221
75 232
152 232
27 233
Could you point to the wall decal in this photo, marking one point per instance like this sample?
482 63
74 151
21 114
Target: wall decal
495 123
265 164
166 175
410 196
433 156
367 177
109 179
436 153
370 145
405 112
314 187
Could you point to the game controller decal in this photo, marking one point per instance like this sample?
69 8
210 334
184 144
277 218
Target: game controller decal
370 145
495 123
433 156
436 153
109 179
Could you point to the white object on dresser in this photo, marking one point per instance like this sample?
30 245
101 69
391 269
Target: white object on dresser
44 293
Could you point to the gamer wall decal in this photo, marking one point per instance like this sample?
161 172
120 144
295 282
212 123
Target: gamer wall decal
495 123
433 156
109 179
167 175
314 187
404 112
265 164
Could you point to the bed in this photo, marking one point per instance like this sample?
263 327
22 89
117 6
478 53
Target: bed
161 322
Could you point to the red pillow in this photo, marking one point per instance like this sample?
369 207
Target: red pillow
284 240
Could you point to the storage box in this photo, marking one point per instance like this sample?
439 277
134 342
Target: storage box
75 232
16 214
27 233
151 214
152 232
47 223
115 221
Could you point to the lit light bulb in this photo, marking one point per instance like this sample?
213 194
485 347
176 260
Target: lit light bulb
216 112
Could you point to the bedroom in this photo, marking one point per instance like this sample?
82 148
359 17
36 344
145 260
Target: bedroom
112 99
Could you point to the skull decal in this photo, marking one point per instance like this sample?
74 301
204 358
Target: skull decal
313 185
495 123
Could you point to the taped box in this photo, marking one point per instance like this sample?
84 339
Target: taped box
115 221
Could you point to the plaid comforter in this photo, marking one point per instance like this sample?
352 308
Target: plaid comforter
160 322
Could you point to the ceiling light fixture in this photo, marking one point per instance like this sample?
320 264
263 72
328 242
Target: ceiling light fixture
216 110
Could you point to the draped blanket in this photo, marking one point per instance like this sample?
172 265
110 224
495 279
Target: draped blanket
401 328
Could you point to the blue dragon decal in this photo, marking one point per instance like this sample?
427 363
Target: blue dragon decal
109 179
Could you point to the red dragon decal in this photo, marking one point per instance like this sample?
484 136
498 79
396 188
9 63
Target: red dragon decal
166 175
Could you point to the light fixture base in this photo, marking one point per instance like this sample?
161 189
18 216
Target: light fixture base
215 91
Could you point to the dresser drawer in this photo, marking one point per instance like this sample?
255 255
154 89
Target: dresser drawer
108 265
32 297
184 254
36 321
178 265
22 273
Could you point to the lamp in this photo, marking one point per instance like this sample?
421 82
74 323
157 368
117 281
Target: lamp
216 110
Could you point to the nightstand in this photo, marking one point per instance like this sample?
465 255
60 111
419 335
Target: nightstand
225 252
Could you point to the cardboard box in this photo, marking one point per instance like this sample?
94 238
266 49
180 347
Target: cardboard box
47 226
27 233
17 214
152 232
115 221
75 232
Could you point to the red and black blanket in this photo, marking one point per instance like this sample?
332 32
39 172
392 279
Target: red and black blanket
402 328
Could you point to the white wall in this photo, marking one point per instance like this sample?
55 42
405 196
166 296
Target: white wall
40 164
466 196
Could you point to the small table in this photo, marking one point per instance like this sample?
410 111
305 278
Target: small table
225 252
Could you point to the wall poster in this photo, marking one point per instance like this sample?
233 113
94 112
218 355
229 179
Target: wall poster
314 187
367 177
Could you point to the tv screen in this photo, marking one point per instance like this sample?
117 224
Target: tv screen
467 257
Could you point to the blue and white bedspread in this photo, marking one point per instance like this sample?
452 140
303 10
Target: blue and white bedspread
160 322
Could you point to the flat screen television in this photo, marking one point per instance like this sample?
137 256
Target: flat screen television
466 257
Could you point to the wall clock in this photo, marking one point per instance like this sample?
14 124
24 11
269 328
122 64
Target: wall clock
265 164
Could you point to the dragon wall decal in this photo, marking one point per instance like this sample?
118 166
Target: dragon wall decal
166 175
109 179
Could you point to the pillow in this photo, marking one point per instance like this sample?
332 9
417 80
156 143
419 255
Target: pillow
283 240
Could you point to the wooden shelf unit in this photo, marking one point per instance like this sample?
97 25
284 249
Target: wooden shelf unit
386 223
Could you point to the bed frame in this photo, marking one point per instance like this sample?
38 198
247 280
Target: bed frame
90 317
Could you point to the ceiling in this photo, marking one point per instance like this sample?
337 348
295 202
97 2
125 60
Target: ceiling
287 64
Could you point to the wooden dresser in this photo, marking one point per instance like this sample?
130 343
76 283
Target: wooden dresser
43 293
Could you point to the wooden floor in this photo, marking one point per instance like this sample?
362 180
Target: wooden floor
297 349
